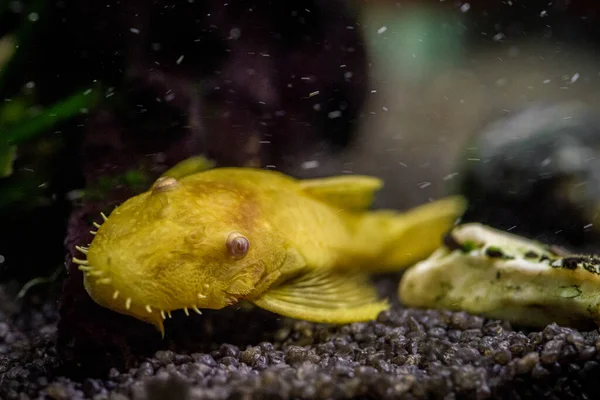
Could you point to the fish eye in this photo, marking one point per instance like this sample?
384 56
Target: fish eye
238 245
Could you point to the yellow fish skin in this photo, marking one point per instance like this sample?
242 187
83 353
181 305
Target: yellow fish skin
300 248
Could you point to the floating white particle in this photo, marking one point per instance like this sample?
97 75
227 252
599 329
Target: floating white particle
2 259
423 185
74 194
310 164
334 114
545 162
134 30
384 108
465 7
498 36
264 141
543 13
180 59
311 94
547 81
33 17
450 176
348 75
30 85
381 30
575 77
317 107
373 91
234 34
588 226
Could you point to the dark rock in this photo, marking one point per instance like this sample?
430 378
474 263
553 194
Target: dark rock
538 190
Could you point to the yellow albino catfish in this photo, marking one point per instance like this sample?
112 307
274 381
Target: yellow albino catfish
299 248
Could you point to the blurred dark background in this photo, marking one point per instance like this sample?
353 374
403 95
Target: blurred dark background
103 94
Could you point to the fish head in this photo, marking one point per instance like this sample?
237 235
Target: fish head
184 244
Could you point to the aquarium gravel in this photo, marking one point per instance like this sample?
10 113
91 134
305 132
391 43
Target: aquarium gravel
405 354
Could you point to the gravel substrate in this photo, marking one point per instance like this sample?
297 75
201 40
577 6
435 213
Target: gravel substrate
405 354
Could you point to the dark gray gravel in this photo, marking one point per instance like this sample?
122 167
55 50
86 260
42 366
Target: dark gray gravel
405 354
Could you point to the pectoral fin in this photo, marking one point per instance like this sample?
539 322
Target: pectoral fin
325 296
190 166
351 192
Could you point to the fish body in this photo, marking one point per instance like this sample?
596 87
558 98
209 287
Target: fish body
300 248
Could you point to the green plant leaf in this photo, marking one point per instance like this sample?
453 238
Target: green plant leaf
7 157
76 104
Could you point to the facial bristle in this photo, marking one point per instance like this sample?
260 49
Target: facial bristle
185 310
149 309
93 232
82 249
80 262
85 268
230 300
96 272
162 314
196 310
169 314
97 225
115 294
104 217
128 303
201 296
104 281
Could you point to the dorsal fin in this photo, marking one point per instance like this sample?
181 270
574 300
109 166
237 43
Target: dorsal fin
350 192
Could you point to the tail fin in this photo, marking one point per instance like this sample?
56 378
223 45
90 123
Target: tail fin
413 235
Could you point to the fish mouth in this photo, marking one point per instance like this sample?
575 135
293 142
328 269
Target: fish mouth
100 286
107 290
